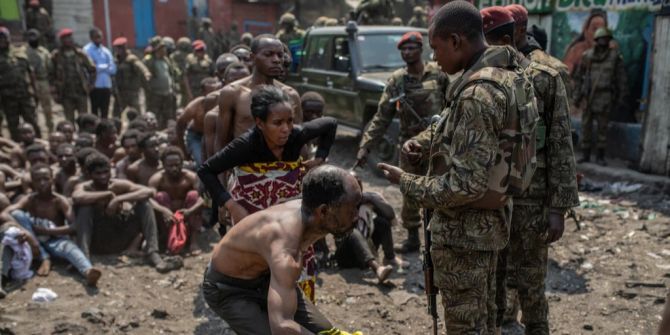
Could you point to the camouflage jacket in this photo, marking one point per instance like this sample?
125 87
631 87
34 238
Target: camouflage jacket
73 72
601 75
418 22
425 96
131 74
197 70
554 183
16 75
173 74
286 37
39 19
178 57
40 61
537 55
464 146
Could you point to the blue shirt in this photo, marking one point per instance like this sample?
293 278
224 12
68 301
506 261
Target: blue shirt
104 64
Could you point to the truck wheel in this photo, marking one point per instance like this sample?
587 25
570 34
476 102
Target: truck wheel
386 151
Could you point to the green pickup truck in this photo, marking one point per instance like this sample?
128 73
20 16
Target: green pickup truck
349 67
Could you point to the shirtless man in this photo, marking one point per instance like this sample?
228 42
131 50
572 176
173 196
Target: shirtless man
265 249
27 138
113 212
194 118
105 134
67 166
267 53
67 128
130 151
44 214
56 138
151 120
176 190
140 171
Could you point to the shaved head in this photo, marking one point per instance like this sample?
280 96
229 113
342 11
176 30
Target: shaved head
458 17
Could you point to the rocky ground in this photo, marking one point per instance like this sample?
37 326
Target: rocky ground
610 277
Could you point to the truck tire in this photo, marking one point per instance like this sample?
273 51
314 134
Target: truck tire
386 150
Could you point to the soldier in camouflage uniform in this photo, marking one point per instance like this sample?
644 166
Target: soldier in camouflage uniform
161 89
131 76
467 183
16 86
230 38
211 38
416 92
178 58
538 214
419 18
600 81
198 67
374 12
40 61
73 75
289 31
38 18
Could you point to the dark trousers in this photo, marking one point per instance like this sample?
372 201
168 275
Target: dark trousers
354 250
100 101
243 304
17 108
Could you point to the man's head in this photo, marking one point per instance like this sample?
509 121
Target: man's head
36 153
243 53
184 44
411 47
235 71
456 35
273 113
26 133
95 35
34 3
65 37
66 157
105 132
4 38
85 140
267 53
33 37
169 44
247 38
67 128
312 105
152 122
603 36
222 63
55 140
209 85
120 46
206 23
138 124
98 169
87 123
173 162
131 113
520 15
81 155
419 12
158 49
287 21
498 26
148 144
331 196
129 142
199 48
41 178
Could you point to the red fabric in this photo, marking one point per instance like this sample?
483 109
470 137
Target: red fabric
494 17
412 36
519 13
177 237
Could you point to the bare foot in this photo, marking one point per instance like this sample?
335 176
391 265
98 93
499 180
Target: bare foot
194 249
92 276
44 268
383 272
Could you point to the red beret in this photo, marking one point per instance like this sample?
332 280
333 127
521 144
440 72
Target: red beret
198 45
494 17
65 32
119 41
34 2
4 31
412 36
519 13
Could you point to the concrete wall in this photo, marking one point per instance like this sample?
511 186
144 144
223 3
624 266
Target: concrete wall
76 15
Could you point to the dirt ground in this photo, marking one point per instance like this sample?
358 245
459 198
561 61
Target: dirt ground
610 277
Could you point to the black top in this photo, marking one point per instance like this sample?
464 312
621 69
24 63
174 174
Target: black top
251 147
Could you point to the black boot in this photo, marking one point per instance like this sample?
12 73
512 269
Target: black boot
586 156
600 157
412 244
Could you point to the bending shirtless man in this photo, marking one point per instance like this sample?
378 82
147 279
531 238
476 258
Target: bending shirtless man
251 279
267 53
194 118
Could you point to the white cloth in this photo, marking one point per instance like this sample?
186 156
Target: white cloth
23 256
44 295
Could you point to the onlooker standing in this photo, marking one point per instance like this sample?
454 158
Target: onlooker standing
160 97
38 18
131 75
198 67
40 61
105 69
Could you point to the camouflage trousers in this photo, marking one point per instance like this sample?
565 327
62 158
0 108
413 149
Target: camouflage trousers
125 99
164 106
74 103
523 266
466 279
43 95
17 108
600 113
411 211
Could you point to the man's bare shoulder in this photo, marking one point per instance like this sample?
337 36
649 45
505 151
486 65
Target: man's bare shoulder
190 176
194 105
286 88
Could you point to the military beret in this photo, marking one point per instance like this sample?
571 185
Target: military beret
119 41
519 13
34 2
4 31
494 17
412 36
198 45
65 32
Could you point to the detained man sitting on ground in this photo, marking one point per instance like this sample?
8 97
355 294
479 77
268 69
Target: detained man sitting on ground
140 171
111 214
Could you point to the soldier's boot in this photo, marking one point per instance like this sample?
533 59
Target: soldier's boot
586 156
600 157
412 244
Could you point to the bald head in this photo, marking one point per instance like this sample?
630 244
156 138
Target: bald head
261 41
328 185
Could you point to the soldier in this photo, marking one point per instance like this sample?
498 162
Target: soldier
331 22
537 219
469 183
374 12
169 45
416 92
230 38
40 61
178 58
419 18
73 75
600 82
38 18
17 86
396 22
160 94
320 22
207 35
289 31
131 76
198 67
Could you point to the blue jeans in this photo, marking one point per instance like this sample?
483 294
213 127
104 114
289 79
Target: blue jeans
57 246
193 141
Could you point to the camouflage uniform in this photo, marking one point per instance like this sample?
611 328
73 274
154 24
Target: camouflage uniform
535 54
419 18
178 58
131 76
289 31
16 90
211 38
40 61
426 97
374 12
600 79
73 74
553 187
196 71
38 18
465 159
160 93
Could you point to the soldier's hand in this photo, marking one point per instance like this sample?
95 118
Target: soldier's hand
412 149
556 227
392 173
361 157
